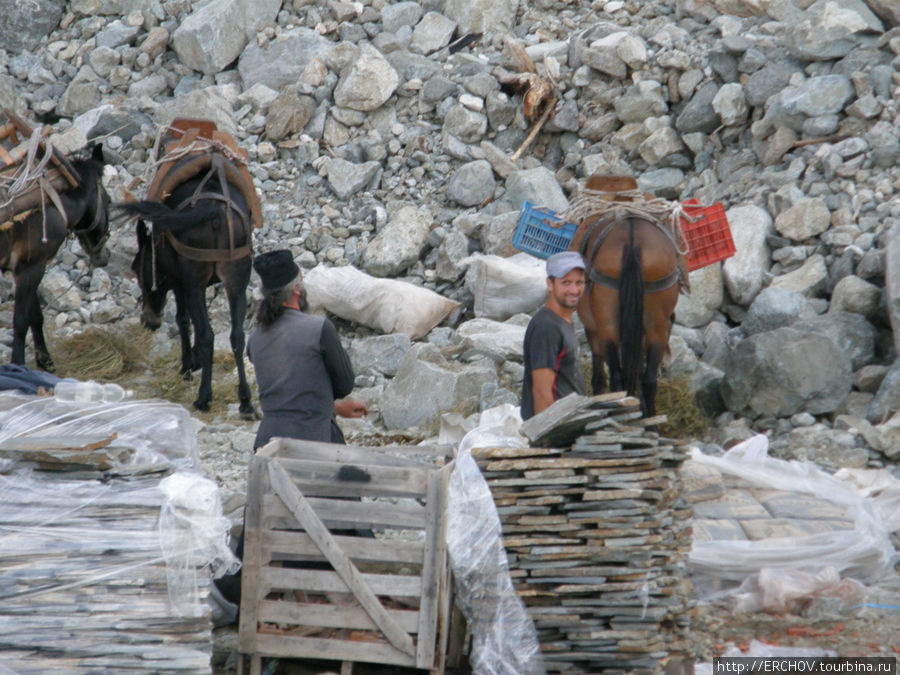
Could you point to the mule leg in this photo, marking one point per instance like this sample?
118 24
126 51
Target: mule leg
598 376
41 353
203 336
25 304
235 279
183 321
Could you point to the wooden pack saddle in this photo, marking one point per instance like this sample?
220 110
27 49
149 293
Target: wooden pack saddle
189 147
32 171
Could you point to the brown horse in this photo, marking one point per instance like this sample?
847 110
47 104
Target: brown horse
629 302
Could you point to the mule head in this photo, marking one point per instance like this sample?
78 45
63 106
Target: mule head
92 226
153 290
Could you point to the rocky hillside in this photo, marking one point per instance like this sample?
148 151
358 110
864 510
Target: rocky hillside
381 138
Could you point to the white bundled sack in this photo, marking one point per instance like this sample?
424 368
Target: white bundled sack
503 287
388 305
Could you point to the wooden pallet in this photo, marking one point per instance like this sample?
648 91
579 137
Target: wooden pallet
330 569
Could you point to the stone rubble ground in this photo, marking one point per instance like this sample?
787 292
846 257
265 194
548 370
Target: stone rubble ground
371 145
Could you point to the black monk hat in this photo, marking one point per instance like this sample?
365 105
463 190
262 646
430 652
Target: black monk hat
276 269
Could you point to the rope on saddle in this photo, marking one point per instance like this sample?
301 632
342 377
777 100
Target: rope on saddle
665 214
29 173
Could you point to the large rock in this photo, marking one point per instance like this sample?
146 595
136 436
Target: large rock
282 61
367 82
379 354
425 387
399 243
503 339
472 183
849 332
786 371
887 398
810 278
346 178
830 29
213 35
776 308
744 272
707 293
479 16
24 24
538 186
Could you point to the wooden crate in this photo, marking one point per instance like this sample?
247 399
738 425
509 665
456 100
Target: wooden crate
345 555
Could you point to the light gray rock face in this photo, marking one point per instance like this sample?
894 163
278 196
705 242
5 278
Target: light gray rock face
380 354
850 333
396 16
817 96
24 25
537 186
809 279
211 37
82 94
422 390
472 183
892 282
807 218
785 371
367 83
698 308
346 178
282 61
58 291
398 244
830 29
776 308
887 398
479 16
852 294
744 272
432 33
503 339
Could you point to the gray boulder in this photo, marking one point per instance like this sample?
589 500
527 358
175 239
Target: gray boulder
379 354
776 308
786 371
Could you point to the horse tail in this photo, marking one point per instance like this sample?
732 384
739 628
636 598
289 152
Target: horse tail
631 313
165 218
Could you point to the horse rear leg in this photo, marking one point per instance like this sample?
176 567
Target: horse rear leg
235 282
616 376
27 314
655 353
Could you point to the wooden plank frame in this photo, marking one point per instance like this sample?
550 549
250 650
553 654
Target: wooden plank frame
324 576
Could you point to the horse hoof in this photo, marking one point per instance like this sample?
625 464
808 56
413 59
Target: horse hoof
249 413
202 406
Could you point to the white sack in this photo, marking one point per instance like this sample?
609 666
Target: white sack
503 287
388 305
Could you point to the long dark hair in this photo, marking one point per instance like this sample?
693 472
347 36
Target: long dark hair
272 305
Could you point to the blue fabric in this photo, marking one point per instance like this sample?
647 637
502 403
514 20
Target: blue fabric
25 379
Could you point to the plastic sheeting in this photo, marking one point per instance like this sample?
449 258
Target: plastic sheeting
160 433
864 552
504 640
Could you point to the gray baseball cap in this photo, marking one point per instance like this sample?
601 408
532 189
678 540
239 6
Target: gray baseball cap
560 264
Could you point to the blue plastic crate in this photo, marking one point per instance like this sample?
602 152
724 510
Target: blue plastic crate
541 233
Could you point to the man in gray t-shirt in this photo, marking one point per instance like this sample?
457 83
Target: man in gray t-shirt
551 349
302 370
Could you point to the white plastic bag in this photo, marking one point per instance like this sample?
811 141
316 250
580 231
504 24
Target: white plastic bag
503 287
388 305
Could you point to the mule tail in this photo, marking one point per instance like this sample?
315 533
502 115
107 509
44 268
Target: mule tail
631 314
165 218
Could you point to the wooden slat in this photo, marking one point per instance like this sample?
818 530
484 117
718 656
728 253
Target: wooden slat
338 513
318 478
357 548
341 650
327 581
434 568
252 560
331 616
386 455
348 572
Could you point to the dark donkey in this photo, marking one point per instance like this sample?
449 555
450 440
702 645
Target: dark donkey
200 235
30 243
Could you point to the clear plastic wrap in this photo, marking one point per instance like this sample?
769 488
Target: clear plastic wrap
160 433
504 640
193 535
863 552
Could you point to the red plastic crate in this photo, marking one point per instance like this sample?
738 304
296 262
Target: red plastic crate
708 237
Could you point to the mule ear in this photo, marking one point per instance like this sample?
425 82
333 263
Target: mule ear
97 152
